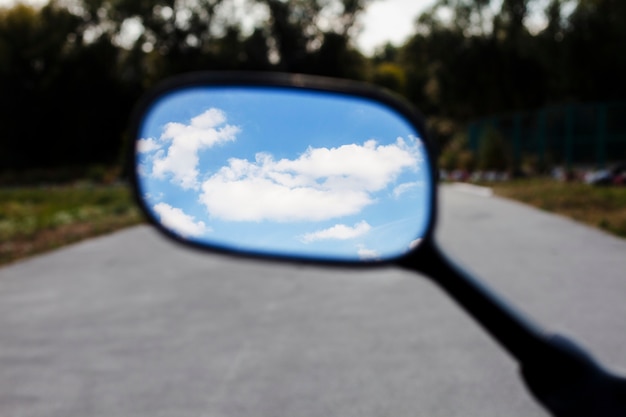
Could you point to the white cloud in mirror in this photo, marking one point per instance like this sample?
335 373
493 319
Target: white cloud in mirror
148 145
183 224
182 142
338 231
367 254
320 184
403 188
414 243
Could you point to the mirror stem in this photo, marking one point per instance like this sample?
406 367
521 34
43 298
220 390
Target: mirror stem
561 375
518 335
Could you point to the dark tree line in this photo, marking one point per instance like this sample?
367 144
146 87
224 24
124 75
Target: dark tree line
71 72
477 62
69 76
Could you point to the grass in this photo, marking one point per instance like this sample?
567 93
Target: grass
37 219
602 207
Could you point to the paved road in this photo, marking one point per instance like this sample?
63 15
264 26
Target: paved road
130 325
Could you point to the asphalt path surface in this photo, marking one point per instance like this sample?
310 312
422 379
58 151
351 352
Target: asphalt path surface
133 325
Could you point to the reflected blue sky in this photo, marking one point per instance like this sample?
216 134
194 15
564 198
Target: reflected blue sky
282 171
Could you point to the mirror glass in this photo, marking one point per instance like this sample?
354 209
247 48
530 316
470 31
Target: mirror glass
284 172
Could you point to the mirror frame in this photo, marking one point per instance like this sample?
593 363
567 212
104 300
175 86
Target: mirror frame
288 82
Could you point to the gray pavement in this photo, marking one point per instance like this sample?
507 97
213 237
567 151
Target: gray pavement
132 325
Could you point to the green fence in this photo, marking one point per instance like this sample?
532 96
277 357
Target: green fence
568 135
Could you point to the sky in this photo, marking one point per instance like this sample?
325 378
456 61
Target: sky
275 171
389 21
383 21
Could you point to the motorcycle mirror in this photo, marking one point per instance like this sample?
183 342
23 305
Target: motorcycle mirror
284 166
308 169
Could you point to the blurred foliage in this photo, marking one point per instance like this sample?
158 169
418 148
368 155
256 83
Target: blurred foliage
493 153
457 156
390 76
96 173
35 219
71 70
602 207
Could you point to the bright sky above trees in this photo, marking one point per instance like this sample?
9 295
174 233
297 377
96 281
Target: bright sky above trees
382 21
389 21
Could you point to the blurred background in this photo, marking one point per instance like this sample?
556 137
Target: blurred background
510 88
